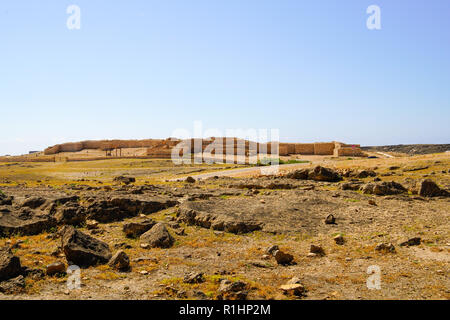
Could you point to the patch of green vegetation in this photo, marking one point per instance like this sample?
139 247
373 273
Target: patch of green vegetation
276 161
352 200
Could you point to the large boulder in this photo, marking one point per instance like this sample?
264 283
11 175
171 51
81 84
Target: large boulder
82 249
9 264
135 229
320 173
429 188
383 188
158 236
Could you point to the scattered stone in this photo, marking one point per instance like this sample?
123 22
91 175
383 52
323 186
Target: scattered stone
295 289
56 268
82 249
317 250
411 242
190 180
366 173
283 258
158 236
124 180
339 239
330 219
385 247
145 246
194 277
372 202
232 290
140 259
120 261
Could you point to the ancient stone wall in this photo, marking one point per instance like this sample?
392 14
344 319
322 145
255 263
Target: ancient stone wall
163 148
324 148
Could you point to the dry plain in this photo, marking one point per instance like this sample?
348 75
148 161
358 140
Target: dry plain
246 237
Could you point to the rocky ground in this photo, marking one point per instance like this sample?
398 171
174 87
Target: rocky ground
411 149
306 234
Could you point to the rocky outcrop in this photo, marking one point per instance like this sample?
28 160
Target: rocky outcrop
218 222
25 221
82 249
119 208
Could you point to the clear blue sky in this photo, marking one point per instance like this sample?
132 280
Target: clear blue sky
141 69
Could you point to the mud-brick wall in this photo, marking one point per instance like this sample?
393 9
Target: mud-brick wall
324 148
349 151
304 148
283 149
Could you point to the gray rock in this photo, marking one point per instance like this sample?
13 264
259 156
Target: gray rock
283 258
429 188
385 247
411 242
55 268
194 277
82 249
317 250
9 264
135 229
120 261
158 236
